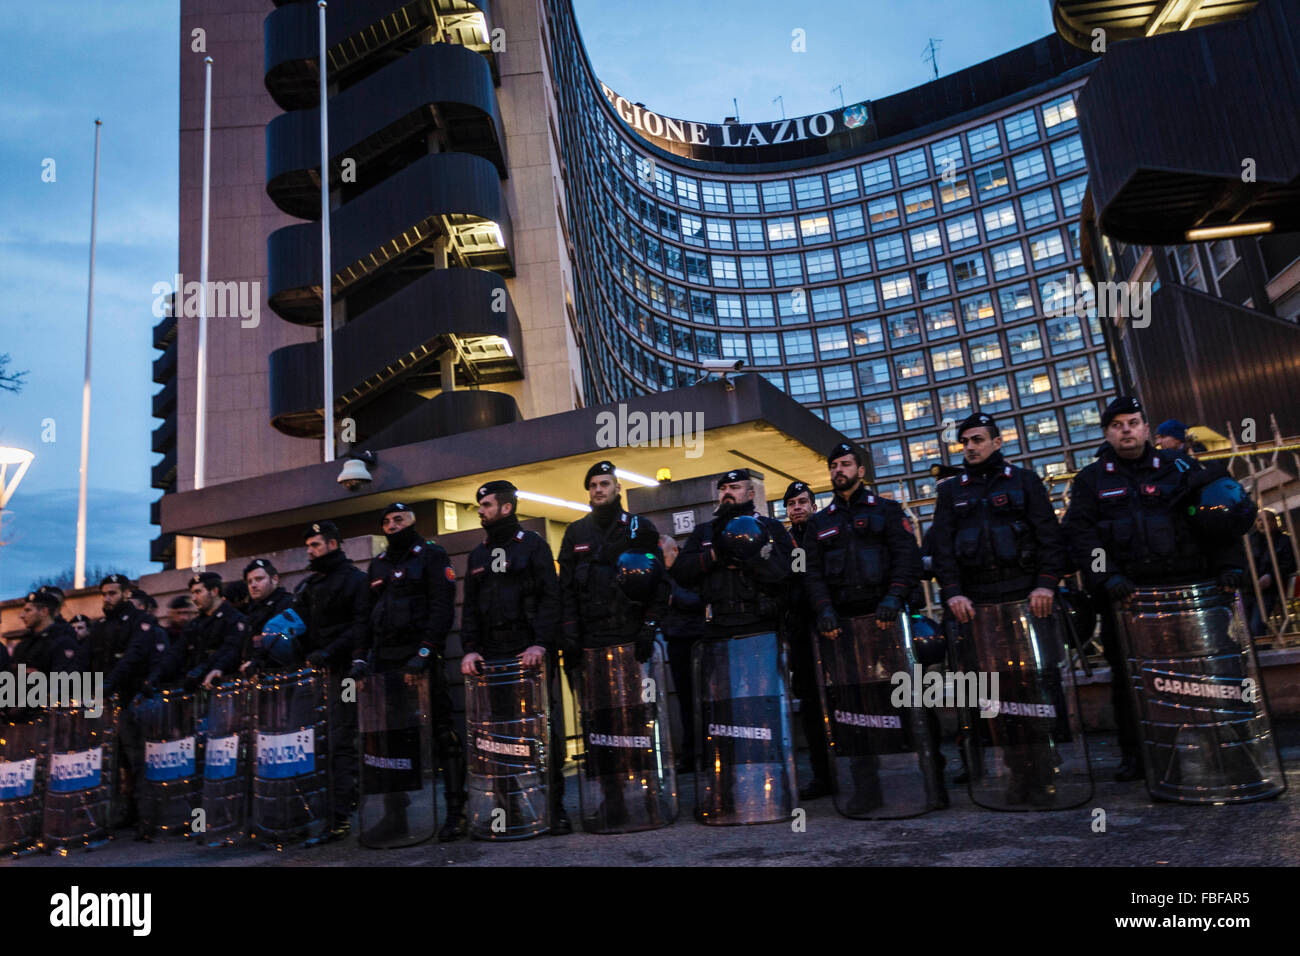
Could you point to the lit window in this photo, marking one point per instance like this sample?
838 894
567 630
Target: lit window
947 154
919 203
883 212
947 361
887 458
1042 430
918 410
910 369
1016 301
1008 260
868 336
962 232
977 312
781 233
1025 343
815 228
994 395
923 452
1060 114
896 290
985 353
1074 377
925 242
955 193
940 322
1033 386
954 400
904 329
881 416
992 181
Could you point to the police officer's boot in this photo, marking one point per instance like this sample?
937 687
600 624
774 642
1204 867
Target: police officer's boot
393 824
1130 767
867 795
453 789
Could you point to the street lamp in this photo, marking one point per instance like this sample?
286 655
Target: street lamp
19 459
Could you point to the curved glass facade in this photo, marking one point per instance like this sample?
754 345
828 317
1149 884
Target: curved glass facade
889 288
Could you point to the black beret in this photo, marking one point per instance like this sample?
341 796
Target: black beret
599 468
43 598
395 507
736 474
978 420
82 618
262 563
795 490
1124 405
120 579
500 487
327 529
52 589
209 579
842 449
143 596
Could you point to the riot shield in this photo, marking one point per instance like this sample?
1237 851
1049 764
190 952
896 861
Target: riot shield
507 719
226 777
1206 732
743 731
1020 708
79 786
23 766
883 755
169 793
626 777
291 785
398 800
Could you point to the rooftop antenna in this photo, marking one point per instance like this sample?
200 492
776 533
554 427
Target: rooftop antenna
932 54
735 109
781 100
839 88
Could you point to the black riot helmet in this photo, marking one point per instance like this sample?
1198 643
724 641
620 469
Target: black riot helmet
638 575
1221 510
929 646
743 537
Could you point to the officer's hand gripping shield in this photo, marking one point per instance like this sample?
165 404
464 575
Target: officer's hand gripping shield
743 733
1019 703
170 790
80 783
507 719
227 763
23 769
1206 732
884 755
398 801
626 777
292 800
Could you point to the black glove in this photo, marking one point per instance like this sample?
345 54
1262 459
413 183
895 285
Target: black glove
644 649
421 661
318 659
1231 579
1119 587
147 689
359 669
889 608
194 678
827 620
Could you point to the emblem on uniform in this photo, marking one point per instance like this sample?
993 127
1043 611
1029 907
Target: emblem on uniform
999 499
144 625
907 524
450 572
68 652
582 547
398 574
377 582
239 626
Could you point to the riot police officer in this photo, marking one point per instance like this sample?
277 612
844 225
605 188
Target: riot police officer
334 603
742 594
683 625
210 645
1124 528
266 599
48 645
995 539
511 608
799 507
413 605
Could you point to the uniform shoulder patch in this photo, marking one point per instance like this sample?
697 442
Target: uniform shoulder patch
68 652
449 572
519 535
376 582
417 549
907 524
144 625
239 626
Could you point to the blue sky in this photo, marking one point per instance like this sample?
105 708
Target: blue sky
121 64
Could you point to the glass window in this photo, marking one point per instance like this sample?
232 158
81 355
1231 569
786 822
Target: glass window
849 222
1059 115
993 395
919 203
692 229
838 382
947 154
843 184
688 191
1010 437
947 362
1074 377
983 141
760 310
792 306
1033 386
798 347
787 269
833 342
846 419
904 329
667 222
1065 334
985 353
1083 421
887 458
954 401
1025 343
753 271
809 192
918 410
1029 168
1038 208
860 297
912 165
969 271
1042 430
826 303
1047 249
940 322
896 289
977 312
776 378
715 196
890 251
815 227
765 348
820 265
962 232
776 196
697 268
1021 128
924 451
1223 255
707 343
729 312
678 302
955 193
744 197
1008 260
868 336
804 386
702 307
1188 265
719 231
781 233
877 176
1067 155
749 233
663 179
1104 372
881 416
1016 301
873 376
910 369
932 281
724 270
1051 465
992 181
999 220
883 212
735 346
1072 192
925 242
855 259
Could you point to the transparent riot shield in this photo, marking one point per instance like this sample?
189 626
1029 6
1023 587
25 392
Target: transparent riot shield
398 772
23 767
626 777
226 764
1206 732
169 793
291 783
883 754
79 786
508 723
1015 689
743 732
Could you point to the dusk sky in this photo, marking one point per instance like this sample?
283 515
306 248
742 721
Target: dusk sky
121 64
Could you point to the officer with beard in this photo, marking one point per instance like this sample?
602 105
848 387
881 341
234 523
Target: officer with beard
211 644
266 600
515 612
741 595
1125 529
334 603
413 605
799 507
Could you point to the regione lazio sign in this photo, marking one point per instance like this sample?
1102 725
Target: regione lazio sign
664 130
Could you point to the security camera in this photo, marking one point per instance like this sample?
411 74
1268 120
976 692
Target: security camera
724 365
356 471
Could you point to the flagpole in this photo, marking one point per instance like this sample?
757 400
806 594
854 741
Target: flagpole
201 382
327 299
79 572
